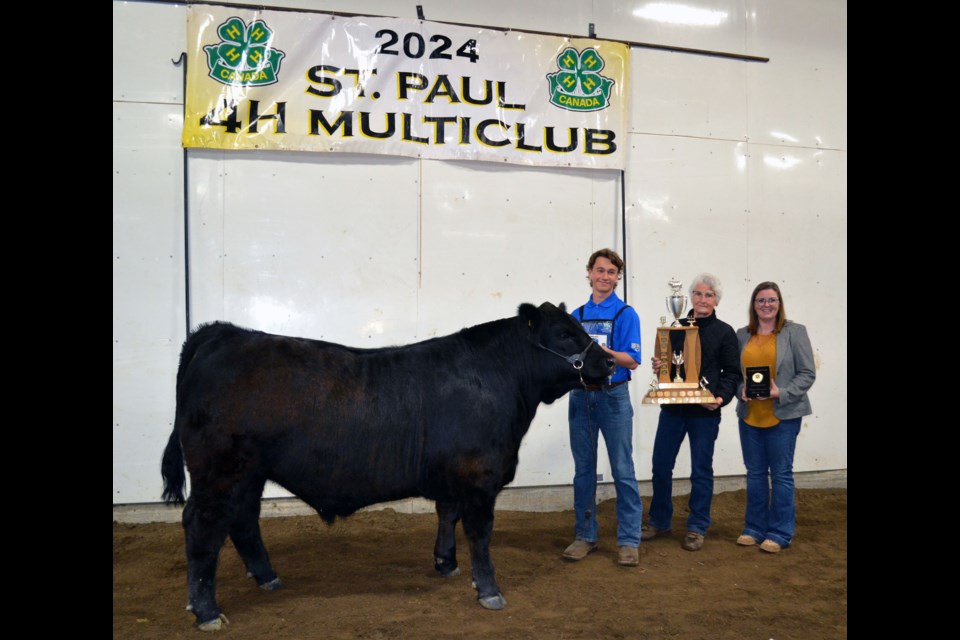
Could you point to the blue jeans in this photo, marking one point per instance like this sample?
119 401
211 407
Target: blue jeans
671 430
768 457
608 412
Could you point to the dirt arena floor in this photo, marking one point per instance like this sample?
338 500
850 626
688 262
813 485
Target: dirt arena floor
371 577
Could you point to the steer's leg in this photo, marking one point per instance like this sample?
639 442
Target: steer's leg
245 534
477 513
205 524
445 550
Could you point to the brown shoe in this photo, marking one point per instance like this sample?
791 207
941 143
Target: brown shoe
579 550
629 556
649 532
770 546
746 541
693 541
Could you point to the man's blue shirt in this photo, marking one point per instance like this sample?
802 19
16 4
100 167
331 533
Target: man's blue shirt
598 321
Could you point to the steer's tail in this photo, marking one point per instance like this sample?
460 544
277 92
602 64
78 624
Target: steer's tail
171 467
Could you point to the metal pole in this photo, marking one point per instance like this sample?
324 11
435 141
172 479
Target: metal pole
186 203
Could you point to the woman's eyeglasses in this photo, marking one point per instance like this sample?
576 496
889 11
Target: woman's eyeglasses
767 300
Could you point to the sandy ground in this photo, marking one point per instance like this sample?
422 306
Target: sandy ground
371 576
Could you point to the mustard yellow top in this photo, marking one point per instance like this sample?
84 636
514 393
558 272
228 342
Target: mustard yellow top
761 351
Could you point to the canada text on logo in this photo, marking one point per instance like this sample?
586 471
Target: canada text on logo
578 85
244 56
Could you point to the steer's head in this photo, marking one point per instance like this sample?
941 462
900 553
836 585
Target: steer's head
568 353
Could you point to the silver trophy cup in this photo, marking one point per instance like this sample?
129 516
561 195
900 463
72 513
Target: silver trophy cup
676 303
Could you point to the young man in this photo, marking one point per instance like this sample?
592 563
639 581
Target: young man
606 409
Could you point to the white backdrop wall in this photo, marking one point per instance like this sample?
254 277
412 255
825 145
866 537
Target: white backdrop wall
734 167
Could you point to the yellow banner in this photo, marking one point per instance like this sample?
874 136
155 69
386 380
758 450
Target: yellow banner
313 82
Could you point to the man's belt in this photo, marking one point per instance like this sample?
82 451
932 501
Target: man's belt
603 387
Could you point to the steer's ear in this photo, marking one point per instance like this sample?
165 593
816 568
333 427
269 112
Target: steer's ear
563 307
530 314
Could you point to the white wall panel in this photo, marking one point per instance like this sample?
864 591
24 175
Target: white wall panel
496 236
680 94
320 247
148 294
312 245
205 175
713 25
147 38
800 96
686 202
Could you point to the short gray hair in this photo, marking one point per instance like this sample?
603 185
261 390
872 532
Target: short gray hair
711 281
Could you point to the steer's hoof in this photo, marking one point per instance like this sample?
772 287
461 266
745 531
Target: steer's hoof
496 602
213 625
273 585
445 568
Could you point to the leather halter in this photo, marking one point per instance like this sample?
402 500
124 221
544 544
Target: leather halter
576 360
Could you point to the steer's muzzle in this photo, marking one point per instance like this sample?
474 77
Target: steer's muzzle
598 366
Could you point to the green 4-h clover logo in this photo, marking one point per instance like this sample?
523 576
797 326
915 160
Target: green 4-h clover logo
244 56
578 85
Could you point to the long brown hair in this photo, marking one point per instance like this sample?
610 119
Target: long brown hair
754 324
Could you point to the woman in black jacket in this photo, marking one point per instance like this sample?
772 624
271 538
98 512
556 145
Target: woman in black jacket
720 367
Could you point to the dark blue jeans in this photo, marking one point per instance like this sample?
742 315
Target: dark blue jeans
671 430
610 413
771 503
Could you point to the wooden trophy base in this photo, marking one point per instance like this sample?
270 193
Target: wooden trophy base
688 391
678 396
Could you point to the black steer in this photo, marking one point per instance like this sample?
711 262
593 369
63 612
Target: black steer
343 428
